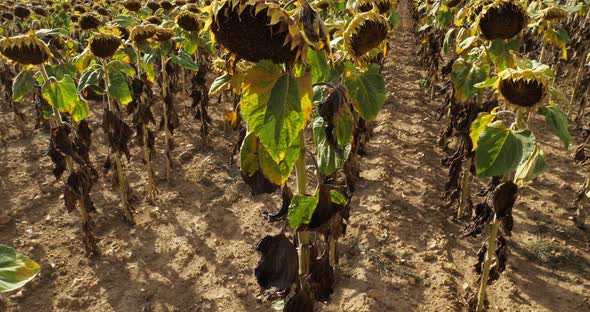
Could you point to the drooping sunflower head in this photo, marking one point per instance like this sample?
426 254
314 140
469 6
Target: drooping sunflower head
367 5
142 32
132 5
554 14
40 11
188 21
7 16
166 5
21 11
257 30
523 87
191 7
104 45
25 49
89 21
153 5
102 11
502 19
163 34
365 32
156 20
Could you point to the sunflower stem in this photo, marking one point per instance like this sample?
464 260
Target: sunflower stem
481 294
578 72
89 243
465 191
166 131
123 191
303 237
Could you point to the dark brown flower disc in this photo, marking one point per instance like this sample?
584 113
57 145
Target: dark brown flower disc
179 2
21 11
166 5
89 21
249 36
521 92
132 5
7 16
102 11
40 11
25 49
80 9
188 21
154 20
104 45
154 6
142 32
74 18
369 35
383 6
164 34
502 22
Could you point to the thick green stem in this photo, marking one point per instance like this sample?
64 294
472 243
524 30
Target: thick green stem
166 131
481 294
127 213
302 236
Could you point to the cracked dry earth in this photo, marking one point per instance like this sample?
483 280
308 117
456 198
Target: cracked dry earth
194 249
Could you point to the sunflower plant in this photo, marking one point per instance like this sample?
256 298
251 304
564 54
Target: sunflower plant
70 135
300 81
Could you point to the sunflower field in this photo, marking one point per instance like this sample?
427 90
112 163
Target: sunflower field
215 155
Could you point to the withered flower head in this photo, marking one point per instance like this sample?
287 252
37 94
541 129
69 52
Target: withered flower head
104 45
25 49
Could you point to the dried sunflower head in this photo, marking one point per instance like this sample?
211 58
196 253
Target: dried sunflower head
104 45
25 49
7 16
154 20
21 11
80 8
166 5
365 32
191 7
40 11
163 34
257 30
321 4
554 14
367 5
153 5
89 21
523 87
102 11
132 5
502 19
143 32
188 21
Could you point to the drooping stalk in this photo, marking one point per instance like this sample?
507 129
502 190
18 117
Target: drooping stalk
581 209
481 294
166 131
151 187
89 243
303 237
465 190
127 213
576 79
